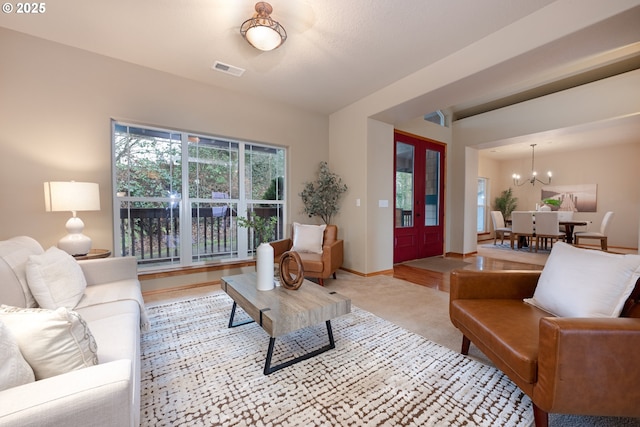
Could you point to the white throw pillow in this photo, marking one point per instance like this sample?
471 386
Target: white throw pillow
585 283
55 279
53 342
308 238
14 370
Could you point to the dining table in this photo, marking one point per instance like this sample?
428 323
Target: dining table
569 225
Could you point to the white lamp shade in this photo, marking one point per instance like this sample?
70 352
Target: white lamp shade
71 196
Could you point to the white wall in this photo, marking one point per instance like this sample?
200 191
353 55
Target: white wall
56 103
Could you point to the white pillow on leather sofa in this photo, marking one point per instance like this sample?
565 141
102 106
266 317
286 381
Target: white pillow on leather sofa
308 238
585 283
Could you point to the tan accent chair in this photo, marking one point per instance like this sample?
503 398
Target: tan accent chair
602 235
316 266
585 366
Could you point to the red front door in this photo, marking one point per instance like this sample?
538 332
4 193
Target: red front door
419 198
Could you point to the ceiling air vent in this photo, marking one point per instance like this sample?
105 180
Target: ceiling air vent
229 69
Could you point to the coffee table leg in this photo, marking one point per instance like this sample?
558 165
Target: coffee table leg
268 369
233 313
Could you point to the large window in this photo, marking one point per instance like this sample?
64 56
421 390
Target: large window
177 195
483 208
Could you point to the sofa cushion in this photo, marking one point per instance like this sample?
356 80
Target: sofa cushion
105 319
308 238
14 370
55 279
53 342
585 283
311 262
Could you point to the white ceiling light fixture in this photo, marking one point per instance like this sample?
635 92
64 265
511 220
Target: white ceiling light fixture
261 31
534 174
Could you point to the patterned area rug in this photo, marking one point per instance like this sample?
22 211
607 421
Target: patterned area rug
198 372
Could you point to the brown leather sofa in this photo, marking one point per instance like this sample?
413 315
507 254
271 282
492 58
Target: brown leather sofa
587 366
316 266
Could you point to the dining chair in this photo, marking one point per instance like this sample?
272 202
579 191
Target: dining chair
522 228
601 235
547 228
499 227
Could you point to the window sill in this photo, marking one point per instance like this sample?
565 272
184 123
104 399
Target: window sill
182 271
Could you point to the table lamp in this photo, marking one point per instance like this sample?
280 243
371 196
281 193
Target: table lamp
72 196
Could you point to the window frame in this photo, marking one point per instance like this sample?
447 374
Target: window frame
484 207
186 202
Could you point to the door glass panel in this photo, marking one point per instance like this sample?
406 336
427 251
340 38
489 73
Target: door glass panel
432 188
404 184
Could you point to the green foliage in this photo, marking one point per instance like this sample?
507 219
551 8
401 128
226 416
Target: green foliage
322 197
275 190
263 228
506 203
551 202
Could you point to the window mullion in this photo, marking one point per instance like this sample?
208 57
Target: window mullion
243 233
185 205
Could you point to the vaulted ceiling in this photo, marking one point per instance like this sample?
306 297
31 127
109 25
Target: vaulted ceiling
337 51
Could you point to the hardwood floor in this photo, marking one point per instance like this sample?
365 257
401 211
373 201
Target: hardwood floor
440 281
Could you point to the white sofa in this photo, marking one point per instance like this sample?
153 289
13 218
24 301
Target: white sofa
106 394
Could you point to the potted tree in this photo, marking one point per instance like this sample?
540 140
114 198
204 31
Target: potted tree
506 203
263 228
322 197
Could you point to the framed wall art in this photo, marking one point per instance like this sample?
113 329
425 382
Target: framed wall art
575 198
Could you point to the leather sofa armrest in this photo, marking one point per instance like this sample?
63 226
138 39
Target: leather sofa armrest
280 247
591 360
332 256
494 284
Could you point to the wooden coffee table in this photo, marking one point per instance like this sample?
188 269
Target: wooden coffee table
281 311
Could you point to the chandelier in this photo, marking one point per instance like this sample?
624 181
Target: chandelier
261 31
534 174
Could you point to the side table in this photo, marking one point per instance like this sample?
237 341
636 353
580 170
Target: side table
94 254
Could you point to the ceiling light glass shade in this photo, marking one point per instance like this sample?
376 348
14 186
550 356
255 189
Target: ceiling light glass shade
73 197
261 31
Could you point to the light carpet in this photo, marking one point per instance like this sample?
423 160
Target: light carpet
196 371
437 263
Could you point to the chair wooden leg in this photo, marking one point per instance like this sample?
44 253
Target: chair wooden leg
540 417
603 243
466 342
334 275
320 281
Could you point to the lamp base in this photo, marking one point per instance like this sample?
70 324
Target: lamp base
75 243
